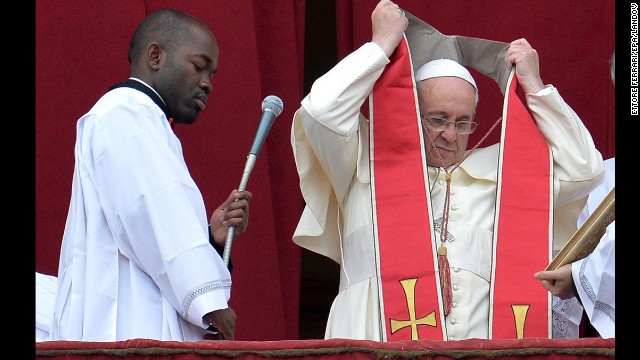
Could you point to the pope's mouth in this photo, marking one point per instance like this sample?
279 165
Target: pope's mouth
441 149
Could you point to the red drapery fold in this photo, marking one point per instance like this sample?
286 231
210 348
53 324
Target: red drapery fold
526 349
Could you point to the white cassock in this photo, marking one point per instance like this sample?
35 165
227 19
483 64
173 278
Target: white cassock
329 137
594 276
46 286
136 261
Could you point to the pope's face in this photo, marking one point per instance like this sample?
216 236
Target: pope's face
449 98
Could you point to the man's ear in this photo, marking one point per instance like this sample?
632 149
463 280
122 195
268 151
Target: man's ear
155 55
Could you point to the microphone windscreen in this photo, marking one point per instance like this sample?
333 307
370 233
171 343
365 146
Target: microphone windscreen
273 104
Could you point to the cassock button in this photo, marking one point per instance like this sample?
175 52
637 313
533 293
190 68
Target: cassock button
454 208
453 321
441 182
454 304
456 269
455 287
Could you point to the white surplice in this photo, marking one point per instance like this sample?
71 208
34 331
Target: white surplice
135 260
46 288
595 275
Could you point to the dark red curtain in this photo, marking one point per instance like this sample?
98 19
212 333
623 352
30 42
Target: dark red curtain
81 49
574 40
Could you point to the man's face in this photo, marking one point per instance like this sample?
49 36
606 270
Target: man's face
185 83
449 98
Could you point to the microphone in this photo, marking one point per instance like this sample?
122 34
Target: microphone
271 108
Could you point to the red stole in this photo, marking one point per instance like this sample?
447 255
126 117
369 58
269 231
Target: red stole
523 234
410 295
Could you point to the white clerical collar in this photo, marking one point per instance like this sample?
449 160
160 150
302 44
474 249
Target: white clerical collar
149 86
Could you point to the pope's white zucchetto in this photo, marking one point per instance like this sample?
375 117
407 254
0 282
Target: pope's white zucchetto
444 67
